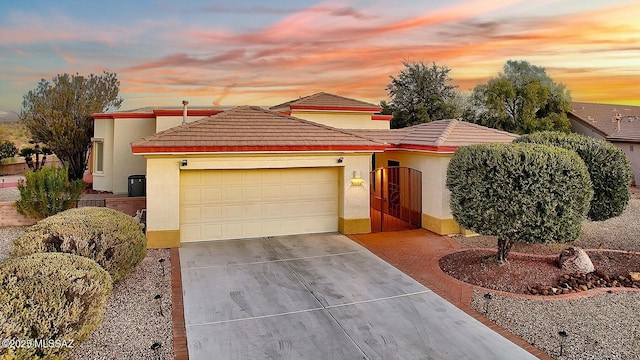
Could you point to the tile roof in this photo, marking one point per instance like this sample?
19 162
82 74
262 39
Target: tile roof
253 129
325 101
441 135
601 118
388 136
454 133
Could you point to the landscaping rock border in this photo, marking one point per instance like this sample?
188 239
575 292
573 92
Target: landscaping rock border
577 282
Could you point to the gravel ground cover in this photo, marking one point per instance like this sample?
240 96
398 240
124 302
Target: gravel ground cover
132 321
605 326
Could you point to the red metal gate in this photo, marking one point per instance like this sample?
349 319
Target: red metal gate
396 199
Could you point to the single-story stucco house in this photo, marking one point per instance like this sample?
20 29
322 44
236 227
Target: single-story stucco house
618 124
321 163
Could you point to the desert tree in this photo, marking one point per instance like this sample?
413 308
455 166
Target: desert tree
522 99
421 93
58 113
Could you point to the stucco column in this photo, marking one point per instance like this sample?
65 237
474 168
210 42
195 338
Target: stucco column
354 212
163 202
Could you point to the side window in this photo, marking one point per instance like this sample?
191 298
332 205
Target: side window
99 156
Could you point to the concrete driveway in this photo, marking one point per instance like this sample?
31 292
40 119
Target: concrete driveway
319 297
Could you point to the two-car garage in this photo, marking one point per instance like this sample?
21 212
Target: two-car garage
249 172
229 204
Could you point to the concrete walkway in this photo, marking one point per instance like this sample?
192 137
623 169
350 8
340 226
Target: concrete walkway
319 297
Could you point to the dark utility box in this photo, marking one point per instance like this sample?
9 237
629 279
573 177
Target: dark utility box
137 185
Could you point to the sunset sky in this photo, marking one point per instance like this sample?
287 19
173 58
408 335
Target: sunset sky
263 53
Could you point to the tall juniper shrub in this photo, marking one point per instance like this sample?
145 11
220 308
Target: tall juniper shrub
519 192
608 167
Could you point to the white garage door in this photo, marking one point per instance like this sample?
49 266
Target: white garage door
232 204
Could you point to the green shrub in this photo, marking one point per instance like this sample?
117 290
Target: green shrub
50 296
7 150
47 192
608 166
112 238
519 192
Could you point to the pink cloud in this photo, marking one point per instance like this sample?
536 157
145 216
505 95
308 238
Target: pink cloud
185 60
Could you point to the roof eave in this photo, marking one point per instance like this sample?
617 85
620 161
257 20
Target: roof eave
141 150
335 108
622 139
587 123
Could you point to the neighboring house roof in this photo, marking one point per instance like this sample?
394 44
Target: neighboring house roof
603 118
439 136
325 101
253 129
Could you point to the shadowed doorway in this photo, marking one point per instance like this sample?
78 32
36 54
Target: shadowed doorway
396 199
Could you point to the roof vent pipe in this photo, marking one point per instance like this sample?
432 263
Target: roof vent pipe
184 111
617 118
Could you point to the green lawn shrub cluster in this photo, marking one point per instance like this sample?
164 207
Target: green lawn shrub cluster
110 237
53 297
608 167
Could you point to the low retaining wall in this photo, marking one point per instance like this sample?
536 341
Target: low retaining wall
9 216
20 167
13 169
128 205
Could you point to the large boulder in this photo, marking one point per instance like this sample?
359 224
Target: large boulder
575 260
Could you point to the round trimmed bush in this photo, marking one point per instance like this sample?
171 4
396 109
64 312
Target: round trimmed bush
519 192
50 296
608 166
110 237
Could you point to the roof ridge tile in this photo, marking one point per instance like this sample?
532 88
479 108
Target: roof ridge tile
447 131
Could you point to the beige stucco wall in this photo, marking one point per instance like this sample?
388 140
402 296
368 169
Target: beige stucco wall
632 150
167 122
163 186
580 128
354 211
103 130
163 202
118 161
124 162
342 119
436 214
